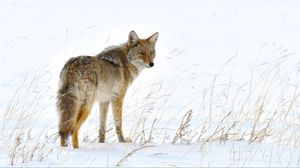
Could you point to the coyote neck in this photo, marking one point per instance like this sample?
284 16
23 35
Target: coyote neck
130 72
117 55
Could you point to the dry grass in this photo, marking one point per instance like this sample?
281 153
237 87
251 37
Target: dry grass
131 153
261 107
184 131
20 136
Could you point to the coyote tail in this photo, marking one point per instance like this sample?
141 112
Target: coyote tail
68 106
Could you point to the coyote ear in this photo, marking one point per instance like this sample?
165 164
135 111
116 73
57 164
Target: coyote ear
152 39
133 38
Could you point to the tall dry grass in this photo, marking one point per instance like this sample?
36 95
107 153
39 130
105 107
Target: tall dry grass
24 134
262 106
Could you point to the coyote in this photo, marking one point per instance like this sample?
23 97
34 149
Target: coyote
103 78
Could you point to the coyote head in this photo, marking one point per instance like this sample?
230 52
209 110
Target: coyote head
142 51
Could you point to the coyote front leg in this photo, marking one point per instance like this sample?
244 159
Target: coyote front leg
103 116
117 105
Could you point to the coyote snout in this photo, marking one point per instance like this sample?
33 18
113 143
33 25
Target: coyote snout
103 78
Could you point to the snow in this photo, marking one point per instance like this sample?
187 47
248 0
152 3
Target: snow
234 65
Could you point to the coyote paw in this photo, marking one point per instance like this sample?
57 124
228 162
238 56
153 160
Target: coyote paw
75 146
64 145
101 140
127 140
124 140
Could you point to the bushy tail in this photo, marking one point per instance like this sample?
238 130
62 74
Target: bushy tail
68 107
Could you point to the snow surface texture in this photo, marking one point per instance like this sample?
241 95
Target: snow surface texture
224 90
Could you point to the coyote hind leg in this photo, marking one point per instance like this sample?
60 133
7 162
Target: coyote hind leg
81 117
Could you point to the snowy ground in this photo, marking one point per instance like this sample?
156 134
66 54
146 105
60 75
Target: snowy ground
224 90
